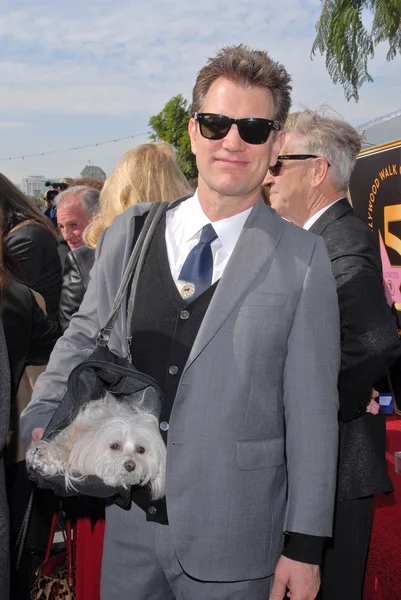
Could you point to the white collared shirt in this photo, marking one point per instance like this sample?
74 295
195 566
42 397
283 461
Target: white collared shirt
183 230
319 213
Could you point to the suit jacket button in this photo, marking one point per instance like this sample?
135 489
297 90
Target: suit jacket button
164 426
152 510
173 370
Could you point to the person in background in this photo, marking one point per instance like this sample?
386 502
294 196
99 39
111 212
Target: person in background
5 392
234 307
30 337
49 209
308 186
145 174
76 207
32 241
148 173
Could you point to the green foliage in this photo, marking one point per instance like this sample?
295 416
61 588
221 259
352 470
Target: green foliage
347 44
38 200
171 125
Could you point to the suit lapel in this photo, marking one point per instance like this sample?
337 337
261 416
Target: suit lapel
258 240
331 214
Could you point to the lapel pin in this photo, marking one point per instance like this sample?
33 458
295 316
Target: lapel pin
187 290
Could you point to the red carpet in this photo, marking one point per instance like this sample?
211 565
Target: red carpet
383 576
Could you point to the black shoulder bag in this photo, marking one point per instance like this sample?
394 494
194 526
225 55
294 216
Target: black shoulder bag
106 371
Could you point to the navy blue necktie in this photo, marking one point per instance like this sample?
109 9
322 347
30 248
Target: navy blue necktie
197 270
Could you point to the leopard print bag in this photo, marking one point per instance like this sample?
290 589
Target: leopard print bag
55 578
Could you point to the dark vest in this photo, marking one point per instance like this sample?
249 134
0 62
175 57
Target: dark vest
164 328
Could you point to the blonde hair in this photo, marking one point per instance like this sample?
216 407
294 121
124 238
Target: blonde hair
148 173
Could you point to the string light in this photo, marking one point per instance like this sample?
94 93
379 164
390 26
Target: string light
129 137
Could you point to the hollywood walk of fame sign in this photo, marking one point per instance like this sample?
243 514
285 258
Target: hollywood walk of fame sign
375 192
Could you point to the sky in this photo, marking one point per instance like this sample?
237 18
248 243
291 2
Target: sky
75 73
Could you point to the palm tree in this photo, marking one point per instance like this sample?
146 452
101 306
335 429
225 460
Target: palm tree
348 45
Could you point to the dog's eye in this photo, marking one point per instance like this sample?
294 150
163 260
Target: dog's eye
140 450
115 446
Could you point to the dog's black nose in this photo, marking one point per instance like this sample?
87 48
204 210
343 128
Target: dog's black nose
130 465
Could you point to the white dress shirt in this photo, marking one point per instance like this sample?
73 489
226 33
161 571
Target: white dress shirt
319 213
183 230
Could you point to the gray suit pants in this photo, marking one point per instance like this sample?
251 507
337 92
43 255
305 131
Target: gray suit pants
139 563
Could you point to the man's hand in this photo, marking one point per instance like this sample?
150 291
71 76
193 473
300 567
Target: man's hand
36 436
302 580
373 407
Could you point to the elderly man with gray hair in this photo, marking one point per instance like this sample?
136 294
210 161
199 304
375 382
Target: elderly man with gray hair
308 186
76 207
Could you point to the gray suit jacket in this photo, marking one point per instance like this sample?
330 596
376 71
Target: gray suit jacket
253 435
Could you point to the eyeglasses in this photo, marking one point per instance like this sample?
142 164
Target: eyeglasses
252 131
275 169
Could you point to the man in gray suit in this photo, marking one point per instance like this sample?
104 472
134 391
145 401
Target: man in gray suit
237 318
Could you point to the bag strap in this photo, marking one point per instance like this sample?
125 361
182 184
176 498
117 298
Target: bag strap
23 531
138 254
69 554
52 533
70 571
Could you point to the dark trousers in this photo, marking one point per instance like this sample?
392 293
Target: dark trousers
343 570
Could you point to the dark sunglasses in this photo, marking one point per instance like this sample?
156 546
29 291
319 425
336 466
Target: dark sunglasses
252 131
275 169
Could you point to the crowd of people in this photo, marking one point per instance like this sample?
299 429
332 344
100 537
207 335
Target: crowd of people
260 312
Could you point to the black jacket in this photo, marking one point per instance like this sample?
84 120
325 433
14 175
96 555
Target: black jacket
78 264
63 249
29 334
34 249
369 346
30 337
4 419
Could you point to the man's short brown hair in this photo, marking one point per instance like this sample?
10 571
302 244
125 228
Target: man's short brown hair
246 67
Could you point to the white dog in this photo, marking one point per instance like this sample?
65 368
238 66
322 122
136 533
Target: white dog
121 444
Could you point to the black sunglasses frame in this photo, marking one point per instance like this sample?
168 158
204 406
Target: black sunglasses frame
244 130
275 169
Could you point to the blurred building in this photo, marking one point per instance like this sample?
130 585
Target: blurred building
93 172
33 185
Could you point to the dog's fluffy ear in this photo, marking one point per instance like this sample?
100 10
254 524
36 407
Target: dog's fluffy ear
158 484
158 487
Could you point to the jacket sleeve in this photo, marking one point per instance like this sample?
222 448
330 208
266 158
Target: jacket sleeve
72 291
27 254
79 340
311 401
77 343
369 337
